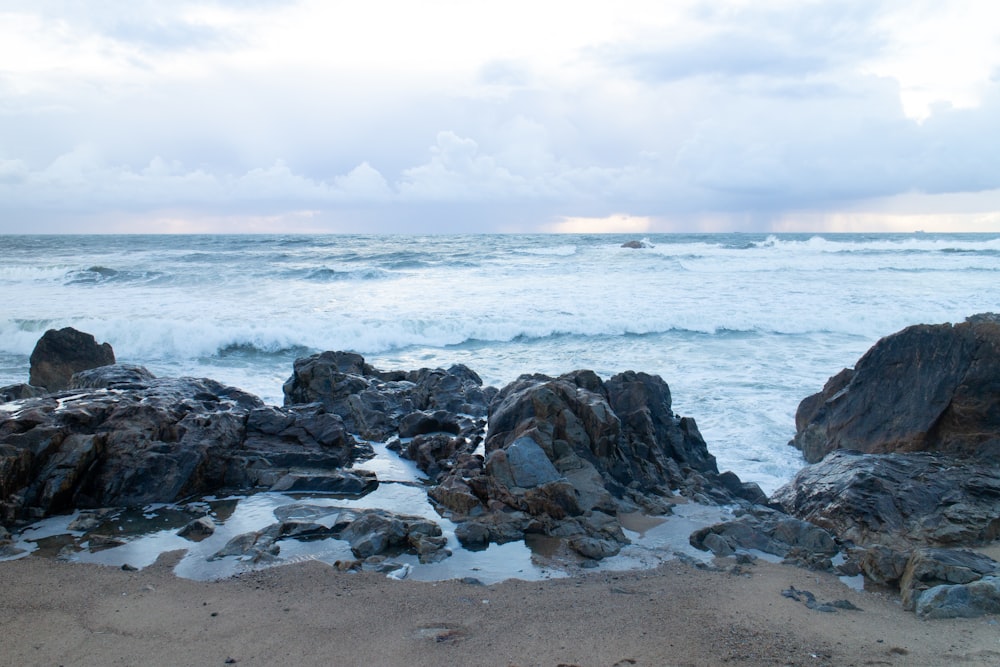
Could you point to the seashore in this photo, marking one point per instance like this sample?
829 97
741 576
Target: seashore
735 609
56 613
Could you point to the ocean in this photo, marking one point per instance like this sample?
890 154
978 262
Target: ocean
741 326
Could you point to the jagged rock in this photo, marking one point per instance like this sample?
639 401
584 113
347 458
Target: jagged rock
900 501
124 438
925 388
59 354
565 454
372 403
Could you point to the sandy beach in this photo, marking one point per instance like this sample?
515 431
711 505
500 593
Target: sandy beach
56 613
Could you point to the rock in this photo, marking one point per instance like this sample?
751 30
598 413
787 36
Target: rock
343 483
521 464
925 388
636 245
768 531
373 403
566 454
928 568
899 501
126 439
198 529
16 392
883 565
960 600
60 354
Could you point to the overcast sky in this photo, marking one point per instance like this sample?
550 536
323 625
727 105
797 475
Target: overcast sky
465 116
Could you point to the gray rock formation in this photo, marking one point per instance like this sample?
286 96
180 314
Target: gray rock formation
565 454
372 403
124 438
926 388
901 501
60 354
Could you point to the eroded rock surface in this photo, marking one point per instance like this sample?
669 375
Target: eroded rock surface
564 455
926 388
120 437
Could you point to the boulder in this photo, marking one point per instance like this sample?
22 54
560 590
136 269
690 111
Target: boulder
59 354
900 501
970 600
927 568
125 438
926 388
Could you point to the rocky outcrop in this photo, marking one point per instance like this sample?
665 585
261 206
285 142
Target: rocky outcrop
905 452
59 354
565 454
902 501
926 388
120 437
372 403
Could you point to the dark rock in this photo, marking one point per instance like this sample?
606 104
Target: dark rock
155 441
16 392
565 455
635 245
900 501
60 354
341 483
373 403
927 388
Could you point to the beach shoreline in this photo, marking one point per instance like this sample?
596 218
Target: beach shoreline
312 614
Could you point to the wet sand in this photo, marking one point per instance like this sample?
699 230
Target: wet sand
56 613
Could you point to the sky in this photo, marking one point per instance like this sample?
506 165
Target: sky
444 116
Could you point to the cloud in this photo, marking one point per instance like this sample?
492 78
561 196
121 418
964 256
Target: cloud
710 115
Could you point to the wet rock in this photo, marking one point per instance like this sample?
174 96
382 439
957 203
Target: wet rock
925 388
16 392
563 452
376 531
373 403
900 501
198 529
59 354
125 438
345 483
433 453
258 546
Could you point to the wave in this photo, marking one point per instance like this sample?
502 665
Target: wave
324 274
96 275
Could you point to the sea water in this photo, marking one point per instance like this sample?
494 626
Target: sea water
741 326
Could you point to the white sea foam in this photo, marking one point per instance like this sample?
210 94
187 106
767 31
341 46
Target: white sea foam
742 327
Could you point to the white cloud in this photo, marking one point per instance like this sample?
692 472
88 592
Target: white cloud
736 113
